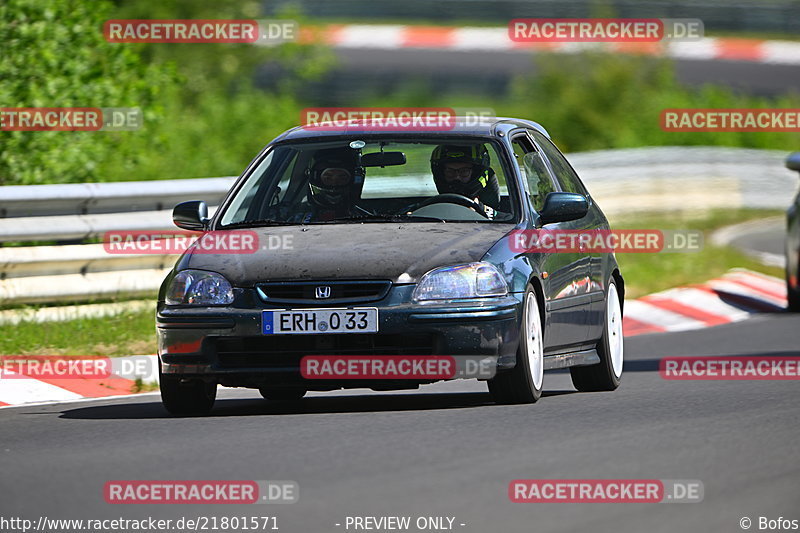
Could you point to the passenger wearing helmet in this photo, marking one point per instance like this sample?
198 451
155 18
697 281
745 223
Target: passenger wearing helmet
466 170
332 190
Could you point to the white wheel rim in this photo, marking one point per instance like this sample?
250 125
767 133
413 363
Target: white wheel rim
534 347
614 330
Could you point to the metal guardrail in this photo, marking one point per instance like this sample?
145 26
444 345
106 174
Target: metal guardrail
75 212
622 181
736 15
686 178
115 197
87 210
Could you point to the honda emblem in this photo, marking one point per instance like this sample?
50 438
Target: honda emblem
323 291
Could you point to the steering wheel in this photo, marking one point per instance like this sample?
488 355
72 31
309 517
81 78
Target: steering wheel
452 198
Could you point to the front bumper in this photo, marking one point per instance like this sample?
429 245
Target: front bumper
226 345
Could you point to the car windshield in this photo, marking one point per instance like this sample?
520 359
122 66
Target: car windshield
375 180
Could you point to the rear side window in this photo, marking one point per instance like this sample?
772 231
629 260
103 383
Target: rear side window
565 174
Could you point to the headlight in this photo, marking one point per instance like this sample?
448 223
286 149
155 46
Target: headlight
475 280
199 287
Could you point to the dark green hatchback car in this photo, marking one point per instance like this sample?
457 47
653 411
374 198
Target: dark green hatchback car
390 245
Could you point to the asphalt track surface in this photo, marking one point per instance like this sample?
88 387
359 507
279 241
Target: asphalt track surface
445 450
769 238
492 70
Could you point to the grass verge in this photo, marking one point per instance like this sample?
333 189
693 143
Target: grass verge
124 334
648 273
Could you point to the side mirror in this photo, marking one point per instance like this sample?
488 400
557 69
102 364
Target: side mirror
793 161
191 215
563 207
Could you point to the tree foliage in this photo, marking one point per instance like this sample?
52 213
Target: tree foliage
593 101
202 114
55 55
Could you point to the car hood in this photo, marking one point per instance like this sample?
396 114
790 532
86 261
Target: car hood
400 252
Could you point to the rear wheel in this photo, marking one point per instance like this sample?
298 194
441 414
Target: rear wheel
605 375
523 383
793 297
282 394
792 294
194 397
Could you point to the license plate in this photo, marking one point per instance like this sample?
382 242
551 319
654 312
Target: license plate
310 321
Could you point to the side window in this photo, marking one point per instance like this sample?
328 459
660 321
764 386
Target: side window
533 170
283 185
566 176
279 194
242 202
498 169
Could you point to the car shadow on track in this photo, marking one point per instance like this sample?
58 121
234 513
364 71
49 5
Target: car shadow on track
366 403
641 365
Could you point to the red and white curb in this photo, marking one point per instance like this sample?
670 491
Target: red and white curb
20 389
389 36
731 298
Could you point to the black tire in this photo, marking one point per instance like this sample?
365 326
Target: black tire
792 295
193 398
282 394
602 377
517 385
793 300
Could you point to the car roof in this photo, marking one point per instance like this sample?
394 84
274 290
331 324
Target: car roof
464 126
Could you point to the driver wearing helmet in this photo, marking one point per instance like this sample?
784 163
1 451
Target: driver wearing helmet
466 170
332 188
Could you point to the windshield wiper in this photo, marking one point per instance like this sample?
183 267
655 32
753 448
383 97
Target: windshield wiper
386 217
257 223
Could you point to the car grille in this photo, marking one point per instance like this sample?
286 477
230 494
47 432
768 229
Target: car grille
285 351
340 292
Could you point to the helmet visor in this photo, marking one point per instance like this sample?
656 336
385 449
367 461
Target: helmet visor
335 177
458 171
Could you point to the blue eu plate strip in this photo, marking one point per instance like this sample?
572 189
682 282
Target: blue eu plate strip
266 323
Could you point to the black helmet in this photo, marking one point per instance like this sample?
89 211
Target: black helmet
477 154
327 195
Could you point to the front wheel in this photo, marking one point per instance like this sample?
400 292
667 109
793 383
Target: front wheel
605 375
192 398
523 383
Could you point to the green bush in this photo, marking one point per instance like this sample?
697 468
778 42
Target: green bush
215 121
54 55
202 115
217 135
594 101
